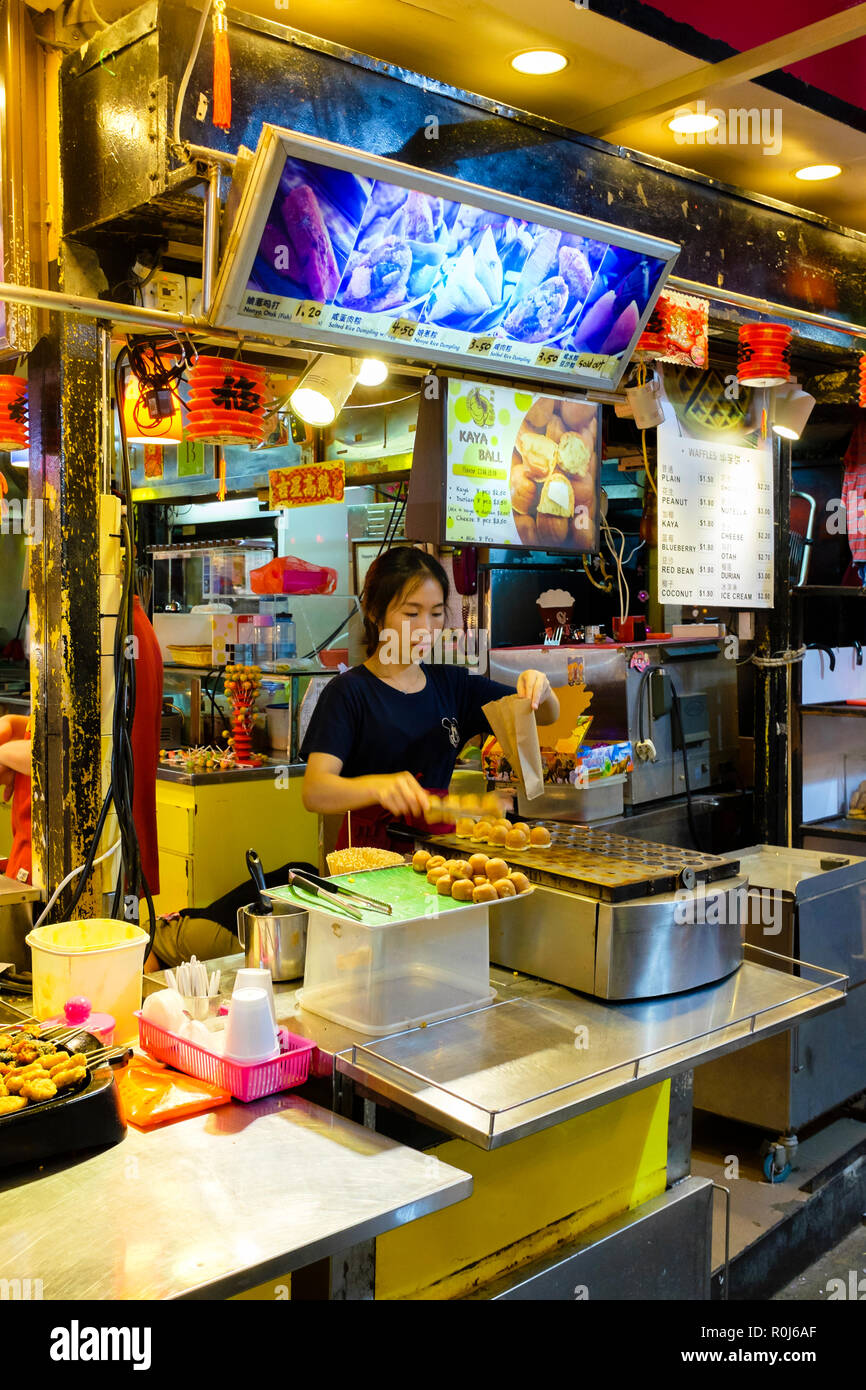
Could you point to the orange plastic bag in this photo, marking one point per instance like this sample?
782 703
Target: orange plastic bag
150 1094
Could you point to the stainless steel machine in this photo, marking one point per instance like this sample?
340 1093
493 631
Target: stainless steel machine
812 906
620 918
677 695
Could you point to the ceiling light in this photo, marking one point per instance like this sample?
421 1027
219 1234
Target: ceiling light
792 407
20 458
539 62
693 123
812 173
373 372
324 389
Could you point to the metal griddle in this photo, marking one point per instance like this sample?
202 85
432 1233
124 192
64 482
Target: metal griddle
598 864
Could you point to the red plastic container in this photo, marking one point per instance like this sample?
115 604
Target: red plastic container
244 1080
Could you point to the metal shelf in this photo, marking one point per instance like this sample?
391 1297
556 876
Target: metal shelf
499 1073
827 591
845 711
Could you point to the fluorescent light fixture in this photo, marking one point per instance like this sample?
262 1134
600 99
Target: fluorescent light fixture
813 173
792 407
20 458
324 389
539 62
693 123
373 372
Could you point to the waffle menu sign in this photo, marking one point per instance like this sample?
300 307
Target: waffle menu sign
715 496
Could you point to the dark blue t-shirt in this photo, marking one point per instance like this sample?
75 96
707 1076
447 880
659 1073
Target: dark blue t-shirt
373 728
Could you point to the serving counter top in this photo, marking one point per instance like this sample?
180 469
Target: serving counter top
266 771
215 1204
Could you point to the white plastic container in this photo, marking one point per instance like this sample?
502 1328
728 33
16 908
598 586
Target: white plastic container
380 977
100 958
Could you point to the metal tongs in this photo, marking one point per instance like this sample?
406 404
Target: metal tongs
328 887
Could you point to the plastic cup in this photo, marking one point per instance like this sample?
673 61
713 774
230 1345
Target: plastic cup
250 1032
259 978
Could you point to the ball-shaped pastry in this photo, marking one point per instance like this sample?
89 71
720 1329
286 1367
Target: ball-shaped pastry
465 827
498 836
462 890
434 810
434 875
496 869
479 878
516 839
457 868
470 802
520 881
420 859
501 824
484 893
521 825
505 888
478 863
444 885
539 835
481 831
437 861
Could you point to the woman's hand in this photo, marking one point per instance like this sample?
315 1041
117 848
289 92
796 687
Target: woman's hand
534 686
401 794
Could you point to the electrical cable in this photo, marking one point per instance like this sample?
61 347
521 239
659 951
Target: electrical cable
177 143
68 879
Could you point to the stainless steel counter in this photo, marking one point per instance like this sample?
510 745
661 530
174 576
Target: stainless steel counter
215 1204
11 891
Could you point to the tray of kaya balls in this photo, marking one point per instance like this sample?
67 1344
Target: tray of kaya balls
581 858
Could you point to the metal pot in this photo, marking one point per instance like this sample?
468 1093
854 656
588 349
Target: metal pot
277 942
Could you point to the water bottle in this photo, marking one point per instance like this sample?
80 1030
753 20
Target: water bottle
284 642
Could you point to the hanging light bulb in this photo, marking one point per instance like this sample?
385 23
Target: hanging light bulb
792 407
373 372
324 389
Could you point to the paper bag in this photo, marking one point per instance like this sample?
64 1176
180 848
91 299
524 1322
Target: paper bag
513 722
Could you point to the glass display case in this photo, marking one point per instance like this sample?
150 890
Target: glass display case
186 576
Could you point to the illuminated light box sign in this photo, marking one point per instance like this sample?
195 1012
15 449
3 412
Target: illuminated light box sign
336 247
499 466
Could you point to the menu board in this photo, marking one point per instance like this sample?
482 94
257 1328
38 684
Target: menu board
334 246
521 469
715 505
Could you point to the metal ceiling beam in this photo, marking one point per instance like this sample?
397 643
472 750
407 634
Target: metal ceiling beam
781 52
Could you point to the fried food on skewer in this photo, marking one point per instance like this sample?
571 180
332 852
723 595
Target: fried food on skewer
38 1089
9 1104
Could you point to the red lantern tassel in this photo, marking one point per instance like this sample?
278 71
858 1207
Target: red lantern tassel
222 72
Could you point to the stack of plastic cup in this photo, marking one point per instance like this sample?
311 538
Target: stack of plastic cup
251 1034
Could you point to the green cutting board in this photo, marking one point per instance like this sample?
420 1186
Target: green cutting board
409 894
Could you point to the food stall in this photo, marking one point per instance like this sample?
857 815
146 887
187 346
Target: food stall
495 1073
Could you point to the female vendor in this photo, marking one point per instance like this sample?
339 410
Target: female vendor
385 735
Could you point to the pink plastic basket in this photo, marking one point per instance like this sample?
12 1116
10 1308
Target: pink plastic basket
245 1080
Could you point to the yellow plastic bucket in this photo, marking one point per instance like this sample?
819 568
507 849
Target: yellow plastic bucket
100 958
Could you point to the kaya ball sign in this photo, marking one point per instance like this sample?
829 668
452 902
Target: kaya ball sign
523 469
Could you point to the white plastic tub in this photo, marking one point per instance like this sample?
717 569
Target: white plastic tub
100 958
382 975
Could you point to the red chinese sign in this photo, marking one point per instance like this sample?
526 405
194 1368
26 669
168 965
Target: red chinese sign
311 485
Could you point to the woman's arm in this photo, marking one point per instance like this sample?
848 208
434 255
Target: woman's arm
535 686
16 755
328 793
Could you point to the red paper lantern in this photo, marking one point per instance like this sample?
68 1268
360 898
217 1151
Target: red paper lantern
863 378
13 413
226 402
764 355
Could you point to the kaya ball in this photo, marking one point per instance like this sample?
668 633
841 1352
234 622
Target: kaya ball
434 875
521 825
462 890
457 868
437 861
539 835
484 893
482 830
505 888
496 869
478 863
478 879
520 881
465 828
516 839
420 860
498 836
443 885
434 810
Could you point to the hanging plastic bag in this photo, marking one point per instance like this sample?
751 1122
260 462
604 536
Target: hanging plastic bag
151 1094
286 574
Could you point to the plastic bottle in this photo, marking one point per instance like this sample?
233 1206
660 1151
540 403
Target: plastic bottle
285 644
